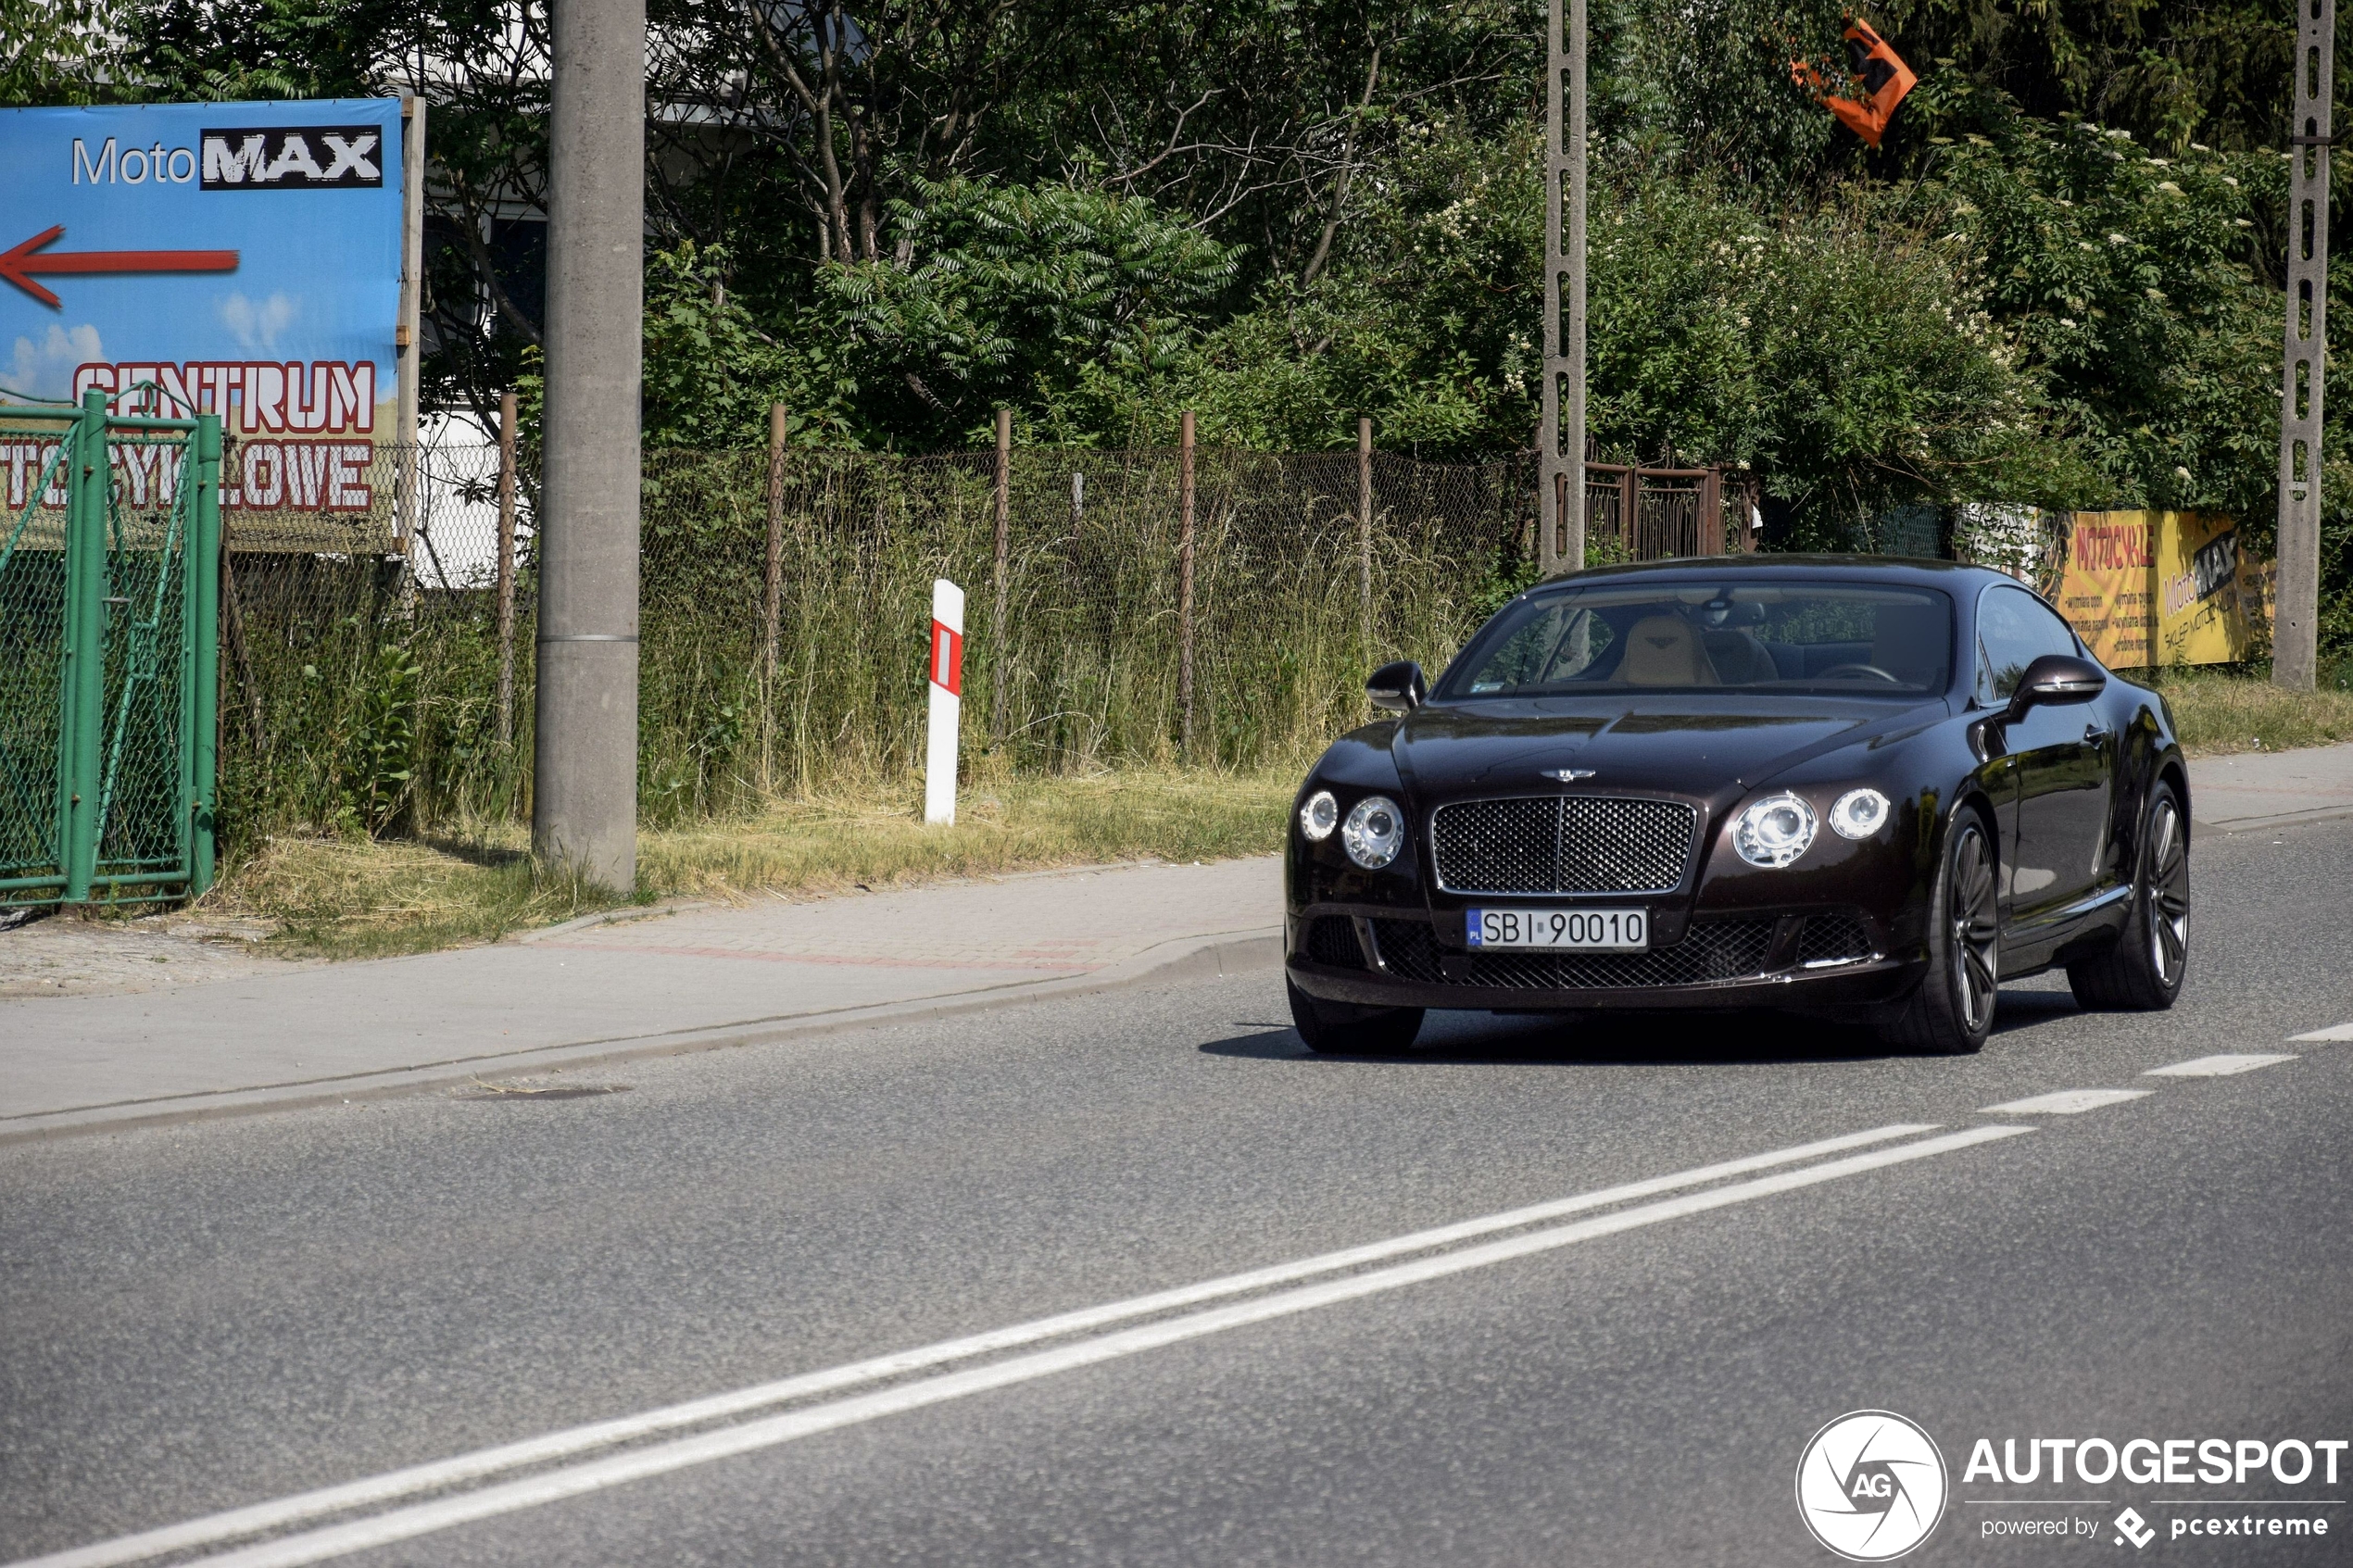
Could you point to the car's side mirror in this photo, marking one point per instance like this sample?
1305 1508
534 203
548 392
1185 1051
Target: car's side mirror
2054 679
1397 689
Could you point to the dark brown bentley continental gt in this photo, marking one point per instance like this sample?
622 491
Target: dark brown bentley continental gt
1846 786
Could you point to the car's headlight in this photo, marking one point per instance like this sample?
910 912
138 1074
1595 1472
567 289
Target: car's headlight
1319 816
1859 813
1376 831
1775 831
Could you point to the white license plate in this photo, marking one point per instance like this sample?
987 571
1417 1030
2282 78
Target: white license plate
1594 931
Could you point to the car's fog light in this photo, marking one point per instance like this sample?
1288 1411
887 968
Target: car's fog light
1376 831
1319 816
1775 831
1859 813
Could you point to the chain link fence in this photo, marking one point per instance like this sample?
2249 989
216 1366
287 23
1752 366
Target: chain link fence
368 684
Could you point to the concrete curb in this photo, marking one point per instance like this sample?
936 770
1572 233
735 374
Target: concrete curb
2264 824
1181 958
626 913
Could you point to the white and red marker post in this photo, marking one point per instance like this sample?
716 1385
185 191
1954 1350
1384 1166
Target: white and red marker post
947 700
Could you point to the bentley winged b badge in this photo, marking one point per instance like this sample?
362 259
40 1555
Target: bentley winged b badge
1569 775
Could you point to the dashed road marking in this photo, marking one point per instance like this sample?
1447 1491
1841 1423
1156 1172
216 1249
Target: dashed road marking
486 1463
2333 1032
2063 1102
680 1454
2217 1066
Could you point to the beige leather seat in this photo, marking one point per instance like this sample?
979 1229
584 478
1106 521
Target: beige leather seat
1663 650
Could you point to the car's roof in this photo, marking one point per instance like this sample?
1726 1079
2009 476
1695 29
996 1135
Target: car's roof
1893 568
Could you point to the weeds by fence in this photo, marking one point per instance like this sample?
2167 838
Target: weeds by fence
360 688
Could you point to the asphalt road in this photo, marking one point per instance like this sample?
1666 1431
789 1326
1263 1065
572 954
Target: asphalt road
198 1318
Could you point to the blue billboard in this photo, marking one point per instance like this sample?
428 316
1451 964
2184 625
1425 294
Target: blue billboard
244 258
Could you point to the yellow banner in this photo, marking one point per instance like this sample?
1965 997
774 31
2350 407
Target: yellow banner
2158 588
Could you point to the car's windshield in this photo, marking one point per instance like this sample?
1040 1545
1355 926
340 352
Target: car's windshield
1846 637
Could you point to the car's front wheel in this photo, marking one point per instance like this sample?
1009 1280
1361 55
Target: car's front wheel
1344 1029
1953 1010
2143 972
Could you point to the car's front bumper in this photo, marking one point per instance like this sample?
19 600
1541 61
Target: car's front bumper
1822 958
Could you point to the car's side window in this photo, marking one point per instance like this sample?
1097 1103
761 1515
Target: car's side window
2014 629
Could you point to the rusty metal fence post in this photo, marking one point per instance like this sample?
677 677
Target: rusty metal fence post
771 588
996 683
1364 531
772 596
507 570
1185 584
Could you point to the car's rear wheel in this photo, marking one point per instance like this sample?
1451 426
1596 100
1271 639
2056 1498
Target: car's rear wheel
1344 1029
2143 972
1953 1010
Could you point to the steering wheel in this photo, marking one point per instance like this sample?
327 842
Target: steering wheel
1873 670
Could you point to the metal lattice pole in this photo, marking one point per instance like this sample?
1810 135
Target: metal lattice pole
2295 632
1561 456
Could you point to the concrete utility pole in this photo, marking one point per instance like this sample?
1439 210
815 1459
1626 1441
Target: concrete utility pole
584 794
2303 366
1560 534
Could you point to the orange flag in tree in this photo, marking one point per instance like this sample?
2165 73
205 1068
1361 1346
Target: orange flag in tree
1882 73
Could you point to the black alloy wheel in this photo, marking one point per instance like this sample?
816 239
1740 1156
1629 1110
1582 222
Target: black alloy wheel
2143 972
1951 1010
1344 1029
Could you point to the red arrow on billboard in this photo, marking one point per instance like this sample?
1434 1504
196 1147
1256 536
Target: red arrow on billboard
19 265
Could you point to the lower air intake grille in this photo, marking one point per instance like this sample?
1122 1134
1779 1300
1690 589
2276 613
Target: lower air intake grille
1729 950
1331 939
1832 939
1563 843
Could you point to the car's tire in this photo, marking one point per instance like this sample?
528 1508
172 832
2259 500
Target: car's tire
2141 970
1344 1029
1951 1010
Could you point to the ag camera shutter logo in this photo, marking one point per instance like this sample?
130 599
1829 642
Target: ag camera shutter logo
1871 1486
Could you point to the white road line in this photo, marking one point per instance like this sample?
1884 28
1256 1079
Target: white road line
214 1529
2064 1102
2333 1032
419 1519
2217 1066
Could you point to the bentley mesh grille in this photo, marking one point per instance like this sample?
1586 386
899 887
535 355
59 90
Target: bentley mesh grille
1832 939
1724 950
1563 843
1331 940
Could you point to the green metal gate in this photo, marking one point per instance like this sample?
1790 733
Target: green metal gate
109 599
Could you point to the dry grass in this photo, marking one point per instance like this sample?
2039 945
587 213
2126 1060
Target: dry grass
343 897
356 898
2218 713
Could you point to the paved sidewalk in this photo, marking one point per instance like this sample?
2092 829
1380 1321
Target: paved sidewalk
2268 789
595 992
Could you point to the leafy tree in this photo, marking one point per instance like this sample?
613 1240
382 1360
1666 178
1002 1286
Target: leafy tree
2128 278
1038 296
55 51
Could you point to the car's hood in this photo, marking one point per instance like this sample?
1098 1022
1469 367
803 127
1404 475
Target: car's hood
1697 746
